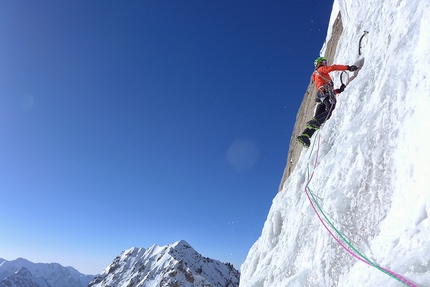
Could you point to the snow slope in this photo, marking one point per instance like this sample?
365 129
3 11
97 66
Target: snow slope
372 174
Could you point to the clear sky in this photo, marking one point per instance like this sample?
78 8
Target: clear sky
129 123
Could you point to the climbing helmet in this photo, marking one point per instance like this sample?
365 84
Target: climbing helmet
320 60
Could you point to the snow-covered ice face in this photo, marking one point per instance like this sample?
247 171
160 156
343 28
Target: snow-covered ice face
371 174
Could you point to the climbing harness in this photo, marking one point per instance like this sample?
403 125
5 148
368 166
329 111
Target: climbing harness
359 42
346 245
325 90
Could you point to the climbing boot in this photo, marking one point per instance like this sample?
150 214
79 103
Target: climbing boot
313 124
304 140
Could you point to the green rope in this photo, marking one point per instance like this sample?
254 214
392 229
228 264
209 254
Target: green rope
356 252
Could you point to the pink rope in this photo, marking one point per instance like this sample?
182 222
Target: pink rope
403 280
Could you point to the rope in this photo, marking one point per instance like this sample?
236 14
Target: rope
351 250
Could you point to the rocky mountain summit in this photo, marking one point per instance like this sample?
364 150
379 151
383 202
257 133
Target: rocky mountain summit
173 265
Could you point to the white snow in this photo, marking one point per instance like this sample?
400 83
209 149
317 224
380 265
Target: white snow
372 176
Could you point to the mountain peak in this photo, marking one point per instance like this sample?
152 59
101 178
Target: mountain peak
182 244
177 263
23 272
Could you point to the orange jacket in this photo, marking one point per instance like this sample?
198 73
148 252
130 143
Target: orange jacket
324 70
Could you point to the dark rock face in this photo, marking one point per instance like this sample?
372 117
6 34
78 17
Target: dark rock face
306 110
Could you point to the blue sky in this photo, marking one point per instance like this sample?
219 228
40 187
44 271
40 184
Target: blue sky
129 123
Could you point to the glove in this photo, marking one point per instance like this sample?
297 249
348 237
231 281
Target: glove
352 68
341 89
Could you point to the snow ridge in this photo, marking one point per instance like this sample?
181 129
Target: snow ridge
176 264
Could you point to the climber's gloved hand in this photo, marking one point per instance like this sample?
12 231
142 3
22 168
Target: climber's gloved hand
341 89
352 68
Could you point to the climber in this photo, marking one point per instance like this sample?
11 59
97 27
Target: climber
325 97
